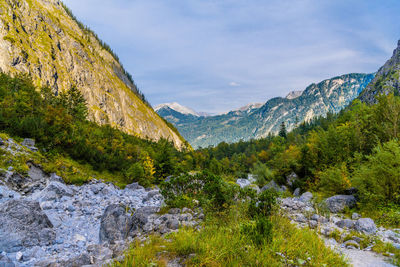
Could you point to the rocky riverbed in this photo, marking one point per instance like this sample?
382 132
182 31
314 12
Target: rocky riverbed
44 222
352 237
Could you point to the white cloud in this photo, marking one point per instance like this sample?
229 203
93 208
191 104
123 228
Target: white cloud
234 84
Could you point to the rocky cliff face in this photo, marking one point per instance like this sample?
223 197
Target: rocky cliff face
42 39
258 121
387 79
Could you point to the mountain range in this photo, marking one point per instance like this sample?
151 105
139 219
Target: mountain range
43 39
258 120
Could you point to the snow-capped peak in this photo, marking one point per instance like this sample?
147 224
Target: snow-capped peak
178 108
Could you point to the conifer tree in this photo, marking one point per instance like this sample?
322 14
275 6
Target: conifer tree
282 131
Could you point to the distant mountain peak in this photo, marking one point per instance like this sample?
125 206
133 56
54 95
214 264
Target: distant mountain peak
178 108
294 94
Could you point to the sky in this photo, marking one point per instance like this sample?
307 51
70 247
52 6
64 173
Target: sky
218 55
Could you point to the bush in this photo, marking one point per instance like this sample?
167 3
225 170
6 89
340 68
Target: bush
334 180
378 179
262 173
258 231
263 205
204 188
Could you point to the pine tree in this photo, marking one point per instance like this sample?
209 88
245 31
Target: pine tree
282 131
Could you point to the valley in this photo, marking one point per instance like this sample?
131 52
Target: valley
92 175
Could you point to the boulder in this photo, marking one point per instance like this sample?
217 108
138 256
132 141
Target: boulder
99 253
6 261
24 224
134 186
346 223
355 216
271 185
115 224
1 142
299 217
306 197
55 190
365 225
7 194
296 192
339 202
29 143
291 178
243 182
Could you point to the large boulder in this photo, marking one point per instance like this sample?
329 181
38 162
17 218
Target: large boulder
306 197
346 223
115 224
24 224
55 190
339 202
365 225
272 185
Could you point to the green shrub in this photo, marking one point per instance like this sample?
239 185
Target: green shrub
207 189
258 231
334 180
263 205
378 179
262 173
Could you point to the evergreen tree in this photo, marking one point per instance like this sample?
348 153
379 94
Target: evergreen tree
282 131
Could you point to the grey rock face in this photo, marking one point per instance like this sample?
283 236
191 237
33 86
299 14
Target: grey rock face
24 224
296 192
243 182
306 197
346 223
1 142
29 143
339 202
115 224
355 216
6 261
55 190
133 186
365 225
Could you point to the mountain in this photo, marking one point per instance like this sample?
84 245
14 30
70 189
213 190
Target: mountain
387 79
294 94
43 39
177 107
258 120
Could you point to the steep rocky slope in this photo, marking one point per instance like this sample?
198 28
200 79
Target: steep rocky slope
255 121
387 79
41 38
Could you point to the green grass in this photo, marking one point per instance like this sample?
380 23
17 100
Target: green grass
221 243
389 250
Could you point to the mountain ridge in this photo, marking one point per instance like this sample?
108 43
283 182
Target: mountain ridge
387 79
44 40
316 100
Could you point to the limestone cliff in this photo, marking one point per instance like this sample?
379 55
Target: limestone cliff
387 79
43 39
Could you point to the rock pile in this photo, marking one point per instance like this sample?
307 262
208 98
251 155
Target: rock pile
45 222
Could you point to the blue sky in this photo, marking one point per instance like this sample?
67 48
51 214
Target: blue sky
216 55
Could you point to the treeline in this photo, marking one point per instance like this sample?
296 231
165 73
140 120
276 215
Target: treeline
358 147
59 126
